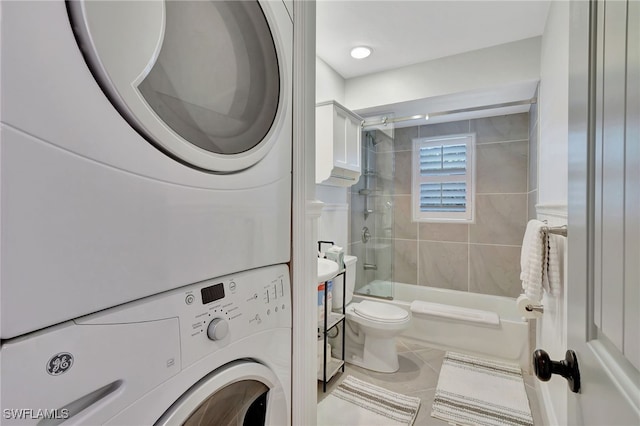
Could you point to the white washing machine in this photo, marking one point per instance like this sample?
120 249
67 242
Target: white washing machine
216 352
144 146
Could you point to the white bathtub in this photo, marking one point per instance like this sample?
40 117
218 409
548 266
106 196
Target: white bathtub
509 340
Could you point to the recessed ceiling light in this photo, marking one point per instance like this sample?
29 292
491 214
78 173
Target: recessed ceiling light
360 52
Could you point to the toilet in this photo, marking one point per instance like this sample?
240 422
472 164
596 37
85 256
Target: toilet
371 327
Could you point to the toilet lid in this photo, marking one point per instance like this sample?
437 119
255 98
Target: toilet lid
377 311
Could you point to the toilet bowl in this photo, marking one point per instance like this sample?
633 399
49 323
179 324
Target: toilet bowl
370 327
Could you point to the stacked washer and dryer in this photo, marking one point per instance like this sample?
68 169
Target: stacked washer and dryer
145 211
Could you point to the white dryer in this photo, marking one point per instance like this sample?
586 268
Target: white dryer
144 146
216 352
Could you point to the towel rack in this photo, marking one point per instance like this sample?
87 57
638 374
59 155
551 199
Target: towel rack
557 230
535 308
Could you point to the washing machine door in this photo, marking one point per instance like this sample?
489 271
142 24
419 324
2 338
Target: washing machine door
240 393
204 81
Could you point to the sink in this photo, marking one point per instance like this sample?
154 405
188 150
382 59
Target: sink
326 270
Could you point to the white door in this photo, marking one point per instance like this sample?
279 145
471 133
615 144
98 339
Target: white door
603 316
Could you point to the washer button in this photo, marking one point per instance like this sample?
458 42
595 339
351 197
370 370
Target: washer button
189 299
232 286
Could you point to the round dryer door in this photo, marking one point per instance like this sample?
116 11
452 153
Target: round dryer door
241 393
201 80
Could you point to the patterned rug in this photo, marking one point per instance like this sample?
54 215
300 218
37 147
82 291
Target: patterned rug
476 391
355 402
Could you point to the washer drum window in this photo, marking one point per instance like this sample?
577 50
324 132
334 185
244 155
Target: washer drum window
239 393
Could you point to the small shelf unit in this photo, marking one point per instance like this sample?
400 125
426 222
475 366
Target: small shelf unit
331 365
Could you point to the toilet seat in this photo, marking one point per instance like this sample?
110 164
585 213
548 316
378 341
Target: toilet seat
380 312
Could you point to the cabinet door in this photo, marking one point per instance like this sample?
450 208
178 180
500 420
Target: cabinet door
340 138
353 132
337 145
346 140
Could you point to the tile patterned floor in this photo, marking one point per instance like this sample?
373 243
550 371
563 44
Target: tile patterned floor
418 376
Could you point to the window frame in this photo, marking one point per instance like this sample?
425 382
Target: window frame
468 216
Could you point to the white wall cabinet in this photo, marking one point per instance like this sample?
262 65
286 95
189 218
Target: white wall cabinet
338 144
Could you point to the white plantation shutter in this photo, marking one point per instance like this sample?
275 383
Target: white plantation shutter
443 178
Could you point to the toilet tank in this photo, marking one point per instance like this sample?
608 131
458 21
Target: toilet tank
350 266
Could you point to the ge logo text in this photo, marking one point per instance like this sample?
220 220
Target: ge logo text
59 363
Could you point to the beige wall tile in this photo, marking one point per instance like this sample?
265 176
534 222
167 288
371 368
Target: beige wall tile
381 254
403 226
443 232
499 219
501 128
385 186
405 261
384 166
383 142
402 178
502 167
443 265
531 205
403 138
383 206
442 253
495 270
443 129
533 158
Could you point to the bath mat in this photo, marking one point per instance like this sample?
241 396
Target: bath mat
356 402
476 391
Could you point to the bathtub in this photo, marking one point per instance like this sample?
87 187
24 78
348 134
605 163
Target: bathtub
508 340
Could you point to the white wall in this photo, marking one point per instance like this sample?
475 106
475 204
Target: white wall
554 106
552 187
480 69
330 85
334 219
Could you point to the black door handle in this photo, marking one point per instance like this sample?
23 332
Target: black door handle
567 368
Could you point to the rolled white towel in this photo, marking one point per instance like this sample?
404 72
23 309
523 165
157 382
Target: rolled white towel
554 265
533 260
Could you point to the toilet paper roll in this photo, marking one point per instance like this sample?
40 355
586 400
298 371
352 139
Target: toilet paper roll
522 302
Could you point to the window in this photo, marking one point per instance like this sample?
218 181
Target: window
443 189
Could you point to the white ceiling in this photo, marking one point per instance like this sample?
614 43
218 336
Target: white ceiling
407 32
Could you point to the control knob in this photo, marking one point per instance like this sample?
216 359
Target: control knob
218 329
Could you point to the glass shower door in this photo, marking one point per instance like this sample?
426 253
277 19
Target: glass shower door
372 207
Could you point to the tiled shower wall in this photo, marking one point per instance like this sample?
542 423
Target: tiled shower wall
483 257
533 160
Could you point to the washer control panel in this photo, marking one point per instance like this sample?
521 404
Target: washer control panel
214 313
231 308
